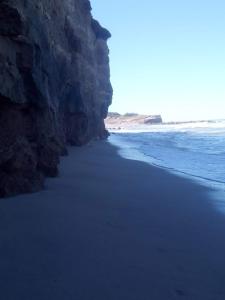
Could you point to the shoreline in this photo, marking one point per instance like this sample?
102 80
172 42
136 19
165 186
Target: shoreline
217 187
112 228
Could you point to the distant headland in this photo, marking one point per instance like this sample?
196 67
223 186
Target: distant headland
115 120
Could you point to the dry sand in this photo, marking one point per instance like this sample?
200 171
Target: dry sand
111 228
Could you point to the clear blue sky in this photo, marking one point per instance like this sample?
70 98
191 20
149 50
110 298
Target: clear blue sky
167 56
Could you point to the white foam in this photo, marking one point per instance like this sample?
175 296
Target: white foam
214 127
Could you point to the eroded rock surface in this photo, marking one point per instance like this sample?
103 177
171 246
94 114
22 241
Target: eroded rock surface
54 87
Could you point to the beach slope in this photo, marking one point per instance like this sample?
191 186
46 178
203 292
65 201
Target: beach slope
112 229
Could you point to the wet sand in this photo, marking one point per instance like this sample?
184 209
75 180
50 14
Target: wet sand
112 229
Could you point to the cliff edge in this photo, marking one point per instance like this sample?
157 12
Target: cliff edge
54 87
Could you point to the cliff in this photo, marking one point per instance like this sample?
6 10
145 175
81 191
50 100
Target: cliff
54 87
130 120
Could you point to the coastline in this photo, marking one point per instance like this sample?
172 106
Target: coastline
132 149
112 228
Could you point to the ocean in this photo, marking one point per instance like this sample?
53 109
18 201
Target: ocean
193 150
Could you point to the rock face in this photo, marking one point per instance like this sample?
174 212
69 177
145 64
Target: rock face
54 87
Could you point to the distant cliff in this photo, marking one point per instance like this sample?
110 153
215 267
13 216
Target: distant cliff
117 121
54 87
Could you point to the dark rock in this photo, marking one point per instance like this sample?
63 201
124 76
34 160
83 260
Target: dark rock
100 32
54 87
14 25
154 119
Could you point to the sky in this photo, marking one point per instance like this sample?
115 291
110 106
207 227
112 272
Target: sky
166 56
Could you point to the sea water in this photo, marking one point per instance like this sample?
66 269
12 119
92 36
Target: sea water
194 150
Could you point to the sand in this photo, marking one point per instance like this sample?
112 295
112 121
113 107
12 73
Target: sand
110 228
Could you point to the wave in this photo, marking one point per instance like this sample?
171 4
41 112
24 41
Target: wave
200 156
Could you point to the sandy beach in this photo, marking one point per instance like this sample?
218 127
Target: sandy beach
112 229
